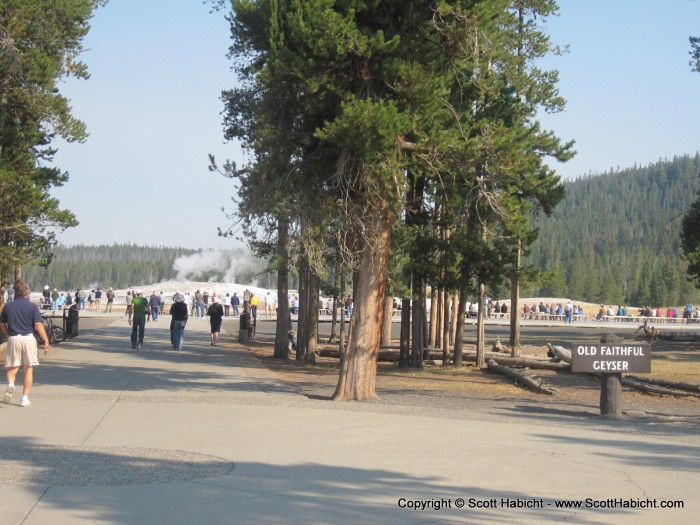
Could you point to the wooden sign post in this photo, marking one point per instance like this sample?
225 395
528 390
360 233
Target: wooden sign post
610 360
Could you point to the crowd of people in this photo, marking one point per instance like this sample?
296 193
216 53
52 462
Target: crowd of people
687 313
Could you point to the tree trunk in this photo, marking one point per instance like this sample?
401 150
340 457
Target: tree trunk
283 324
434 315
480 333
311 328
515 306
405 344
334 310
459 334
341 331
357 379
447 322
453 328
388 320
18 273
303 308
417 317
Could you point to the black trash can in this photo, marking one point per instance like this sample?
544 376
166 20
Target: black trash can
70 321
245 332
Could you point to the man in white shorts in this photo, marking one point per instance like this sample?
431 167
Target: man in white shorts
18 321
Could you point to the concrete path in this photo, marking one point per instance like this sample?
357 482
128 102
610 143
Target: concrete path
208 436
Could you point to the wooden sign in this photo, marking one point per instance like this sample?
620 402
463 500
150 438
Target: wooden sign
611 358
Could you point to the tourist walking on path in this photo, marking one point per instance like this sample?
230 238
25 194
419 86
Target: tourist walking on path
18 321
110 300
269 305
129 306
235 302
154 303
139 307
254 305
177 325
215 313
200 310
227 304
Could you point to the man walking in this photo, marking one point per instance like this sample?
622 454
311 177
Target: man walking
18 321
110 300
177 325
154 303
139 307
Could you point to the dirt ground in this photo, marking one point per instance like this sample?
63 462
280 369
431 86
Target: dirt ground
442 386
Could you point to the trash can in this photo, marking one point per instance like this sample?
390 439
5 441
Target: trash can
70 321
245 332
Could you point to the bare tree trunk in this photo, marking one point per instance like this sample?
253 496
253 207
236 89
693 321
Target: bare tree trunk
311 329
480 358
405 344
417 317
459 335
341 332
357 378
303 308
334 311
424 316
283 324
434 316
388 320
18 273
515 306
453 328
447 322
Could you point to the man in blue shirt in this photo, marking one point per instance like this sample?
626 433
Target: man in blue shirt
18 321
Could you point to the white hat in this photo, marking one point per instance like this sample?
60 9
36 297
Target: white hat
139 292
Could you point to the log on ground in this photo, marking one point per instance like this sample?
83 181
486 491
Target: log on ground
653 389
559 352
520 378
677 385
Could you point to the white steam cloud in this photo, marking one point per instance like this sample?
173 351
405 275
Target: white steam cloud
224 264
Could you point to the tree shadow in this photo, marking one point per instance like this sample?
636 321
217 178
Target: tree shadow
653 424
667 456
128 486
198 367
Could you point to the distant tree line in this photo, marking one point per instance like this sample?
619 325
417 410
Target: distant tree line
125 265
615 238
118 266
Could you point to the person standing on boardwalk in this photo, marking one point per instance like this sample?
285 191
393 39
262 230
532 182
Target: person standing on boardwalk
18 321
139 307
215 313
177 325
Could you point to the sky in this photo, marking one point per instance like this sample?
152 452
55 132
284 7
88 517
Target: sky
153 110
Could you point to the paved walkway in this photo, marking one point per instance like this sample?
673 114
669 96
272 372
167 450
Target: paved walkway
208 436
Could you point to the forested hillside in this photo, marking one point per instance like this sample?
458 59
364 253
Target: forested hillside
118 266
615 237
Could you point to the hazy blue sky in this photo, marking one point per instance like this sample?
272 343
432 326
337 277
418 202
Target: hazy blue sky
153 111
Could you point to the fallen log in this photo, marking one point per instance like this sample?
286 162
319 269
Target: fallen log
559 352
678 385
520 377
524 362
653 389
